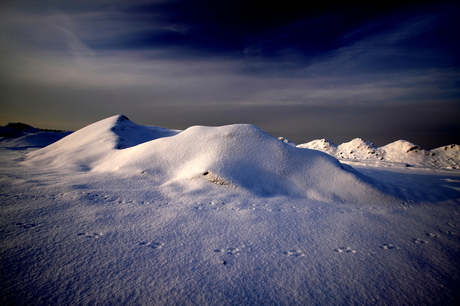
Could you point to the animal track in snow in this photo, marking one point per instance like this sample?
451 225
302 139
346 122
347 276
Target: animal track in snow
152 245
405 206
344 250
294 252
419 241
388 246
96 198
26 225
229 251
432 235
448 232
91 235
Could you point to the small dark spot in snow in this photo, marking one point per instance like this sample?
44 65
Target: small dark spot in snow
223 262
414 148
205 173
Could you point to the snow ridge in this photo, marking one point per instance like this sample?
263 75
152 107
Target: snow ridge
398 152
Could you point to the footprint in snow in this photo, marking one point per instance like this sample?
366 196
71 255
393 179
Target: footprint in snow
344 250
419 241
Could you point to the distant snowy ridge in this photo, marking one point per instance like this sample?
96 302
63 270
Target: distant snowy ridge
20 136
400 151
239 157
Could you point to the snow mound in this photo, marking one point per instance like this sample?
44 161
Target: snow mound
358 149
324 145
204 159
448 156
87 147
398 152
406 151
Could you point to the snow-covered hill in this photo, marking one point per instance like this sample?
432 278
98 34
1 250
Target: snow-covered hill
399 152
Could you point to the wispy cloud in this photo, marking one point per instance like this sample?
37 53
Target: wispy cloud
345 75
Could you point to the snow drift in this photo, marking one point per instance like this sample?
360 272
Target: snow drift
198 159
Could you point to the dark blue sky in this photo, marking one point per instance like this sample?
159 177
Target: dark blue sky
380 72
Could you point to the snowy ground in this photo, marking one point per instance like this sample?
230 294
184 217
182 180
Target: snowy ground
122 214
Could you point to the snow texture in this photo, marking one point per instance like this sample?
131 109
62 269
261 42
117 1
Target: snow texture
123 214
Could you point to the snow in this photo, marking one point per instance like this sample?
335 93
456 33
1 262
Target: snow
395 153
15 130
22 136
123 214
35 140
240 156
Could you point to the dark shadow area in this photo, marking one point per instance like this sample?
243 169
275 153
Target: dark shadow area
418 184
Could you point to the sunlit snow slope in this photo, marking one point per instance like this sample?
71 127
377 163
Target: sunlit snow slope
400 151
229 158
